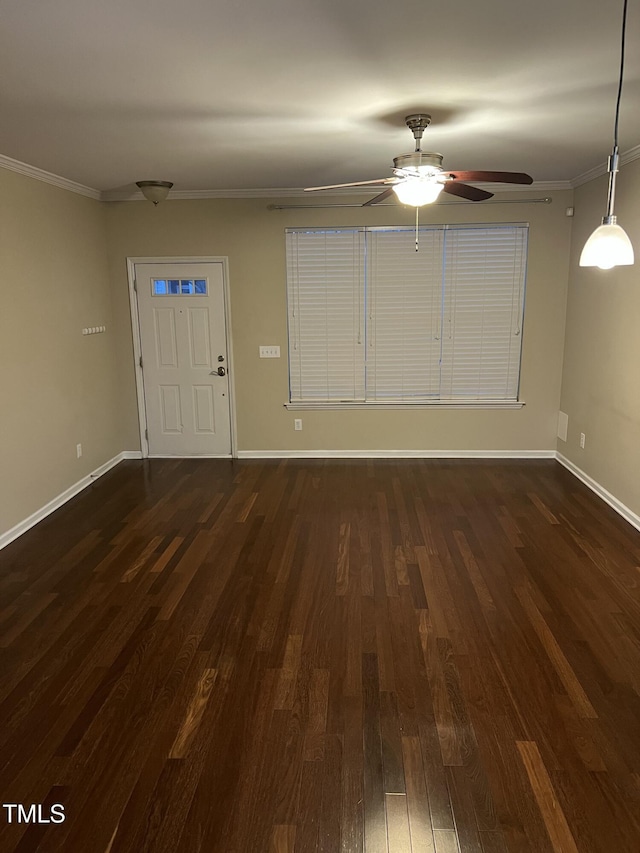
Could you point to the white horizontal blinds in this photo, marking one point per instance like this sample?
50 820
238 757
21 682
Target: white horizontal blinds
372 320
484 277
325 274
404 304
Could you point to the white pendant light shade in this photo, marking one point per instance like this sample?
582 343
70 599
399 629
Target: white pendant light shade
607 247
417 191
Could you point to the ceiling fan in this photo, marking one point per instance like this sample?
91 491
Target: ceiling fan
419 177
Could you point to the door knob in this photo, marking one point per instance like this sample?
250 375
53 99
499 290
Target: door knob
221 371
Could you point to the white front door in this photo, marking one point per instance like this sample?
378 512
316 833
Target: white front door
181 311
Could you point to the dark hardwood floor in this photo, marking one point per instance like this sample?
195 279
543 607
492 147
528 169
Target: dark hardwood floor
324 657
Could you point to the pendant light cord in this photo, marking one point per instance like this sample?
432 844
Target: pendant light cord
614 159
609 246
623 39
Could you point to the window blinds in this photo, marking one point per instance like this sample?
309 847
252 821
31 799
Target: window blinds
404 304
325 274
484 276
371 320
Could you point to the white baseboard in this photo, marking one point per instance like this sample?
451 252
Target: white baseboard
191 456
607 497
61 499
592 484
396 454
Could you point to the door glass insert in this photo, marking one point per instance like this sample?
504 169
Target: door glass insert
179 287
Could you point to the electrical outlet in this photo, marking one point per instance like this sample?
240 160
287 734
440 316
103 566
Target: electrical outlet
270 352
79 450
297 423
582 440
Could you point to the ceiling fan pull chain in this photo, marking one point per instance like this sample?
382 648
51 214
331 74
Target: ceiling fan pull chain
417 211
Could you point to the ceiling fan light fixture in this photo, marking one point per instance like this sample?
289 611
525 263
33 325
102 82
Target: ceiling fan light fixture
155 191
417 192
418 177
608 247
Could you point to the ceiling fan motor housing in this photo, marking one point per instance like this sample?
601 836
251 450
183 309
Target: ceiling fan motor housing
423 162
418 123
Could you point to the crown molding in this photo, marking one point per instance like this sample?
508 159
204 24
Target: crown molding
536 186
280 192
601 169
298 192
48 177
273 192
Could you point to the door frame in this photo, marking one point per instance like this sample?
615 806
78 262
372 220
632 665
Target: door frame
137 342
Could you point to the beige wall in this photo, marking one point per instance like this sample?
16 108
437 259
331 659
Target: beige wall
58 387
252 237
64 267
601 379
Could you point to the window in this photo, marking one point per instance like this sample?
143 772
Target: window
373 321
179 287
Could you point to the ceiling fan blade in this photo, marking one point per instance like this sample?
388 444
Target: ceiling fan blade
498 177
352 184
465 191
377 199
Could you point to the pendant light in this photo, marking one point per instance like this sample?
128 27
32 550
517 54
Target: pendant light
609 245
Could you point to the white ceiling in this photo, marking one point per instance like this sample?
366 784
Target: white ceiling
220 94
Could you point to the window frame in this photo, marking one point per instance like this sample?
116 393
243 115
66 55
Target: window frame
521 243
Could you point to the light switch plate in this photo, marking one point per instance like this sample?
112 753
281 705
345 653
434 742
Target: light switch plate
270 352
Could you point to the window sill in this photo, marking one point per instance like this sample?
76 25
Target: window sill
299 406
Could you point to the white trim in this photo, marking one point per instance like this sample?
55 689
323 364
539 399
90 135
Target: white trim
137 355
48 177
601 169
179 259
65 496
193 456
622 509
298 192
535 187
269 192
137 343
396 454
300 406
72 491
277 192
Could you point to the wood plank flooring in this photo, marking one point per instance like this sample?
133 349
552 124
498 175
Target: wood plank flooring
212 656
